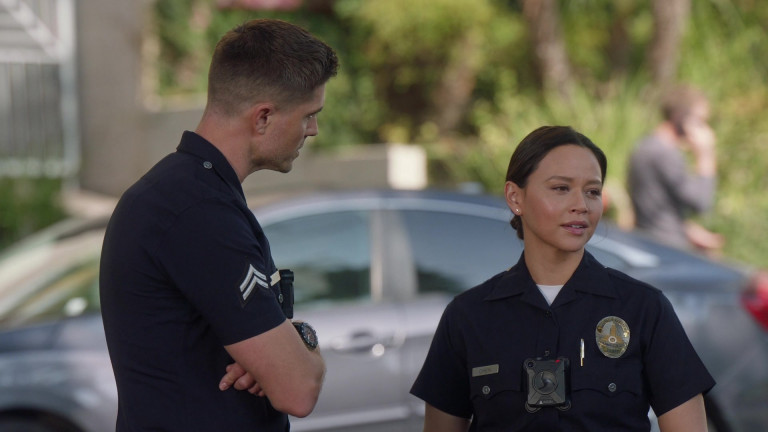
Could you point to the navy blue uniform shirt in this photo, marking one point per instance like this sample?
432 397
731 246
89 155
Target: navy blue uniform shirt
185 270
474 368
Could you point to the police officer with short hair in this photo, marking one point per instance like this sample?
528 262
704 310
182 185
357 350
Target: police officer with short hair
188 286
559 342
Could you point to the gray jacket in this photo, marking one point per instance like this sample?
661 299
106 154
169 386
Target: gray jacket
663 191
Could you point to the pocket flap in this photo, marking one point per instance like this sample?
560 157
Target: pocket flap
611 378
487 386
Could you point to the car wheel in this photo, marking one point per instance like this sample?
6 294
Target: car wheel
30 425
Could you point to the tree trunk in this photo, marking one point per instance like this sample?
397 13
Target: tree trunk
454 91
670 18
620 44
548 45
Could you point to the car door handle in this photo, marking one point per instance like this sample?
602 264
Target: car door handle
363 342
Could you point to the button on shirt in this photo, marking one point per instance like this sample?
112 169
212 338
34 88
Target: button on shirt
186 270
474 368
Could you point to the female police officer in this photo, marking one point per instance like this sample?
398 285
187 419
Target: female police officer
559 342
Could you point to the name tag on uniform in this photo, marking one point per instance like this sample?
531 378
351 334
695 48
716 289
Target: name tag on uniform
485 370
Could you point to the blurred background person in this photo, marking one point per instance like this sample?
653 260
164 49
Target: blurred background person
665 189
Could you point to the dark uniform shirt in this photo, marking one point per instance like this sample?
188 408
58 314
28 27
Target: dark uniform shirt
474 368
185 270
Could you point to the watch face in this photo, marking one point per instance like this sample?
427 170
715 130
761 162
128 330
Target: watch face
309 335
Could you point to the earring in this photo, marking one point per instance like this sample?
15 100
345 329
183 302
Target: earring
517 211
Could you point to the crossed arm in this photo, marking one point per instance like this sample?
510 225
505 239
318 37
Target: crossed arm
278 365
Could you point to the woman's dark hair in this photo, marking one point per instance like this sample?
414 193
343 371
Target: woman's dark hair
534 147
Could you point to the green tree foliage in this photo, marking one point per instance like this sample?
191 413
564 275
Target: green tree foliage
28 205
181 27
409 66
411 48
727 55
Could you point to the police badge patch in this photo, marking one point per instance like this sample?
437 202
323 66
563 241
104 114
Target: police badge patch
612 336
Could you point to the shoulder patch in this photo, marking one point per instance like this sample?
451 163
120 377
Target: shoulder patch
250 280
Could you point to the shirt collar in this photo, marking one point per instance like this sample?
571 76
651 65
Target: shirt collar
195 145
590 277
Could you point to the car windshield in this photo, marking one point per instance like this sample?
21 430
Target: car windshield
51 275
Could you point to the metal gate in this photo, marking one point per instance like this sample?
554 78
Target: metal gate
38 93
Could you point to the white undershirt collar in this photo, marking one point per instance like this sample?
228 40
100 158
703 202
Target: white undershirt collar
549 292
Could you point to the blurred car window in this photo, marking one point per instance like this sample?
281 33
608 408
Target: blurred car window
455 251
50 277
329 253
74 293
607 258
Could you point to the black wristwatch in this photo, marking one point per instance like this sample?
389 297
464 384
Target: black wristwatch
307 333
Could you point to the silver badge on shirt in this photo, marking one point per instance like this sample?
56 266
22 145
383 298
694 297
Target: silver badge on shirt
612 336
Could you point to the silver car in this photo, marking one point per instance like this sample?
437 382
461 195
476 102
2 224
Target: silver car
374 271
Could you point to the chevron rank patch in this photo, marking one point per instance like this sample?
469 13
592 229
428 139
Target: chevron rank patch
252 278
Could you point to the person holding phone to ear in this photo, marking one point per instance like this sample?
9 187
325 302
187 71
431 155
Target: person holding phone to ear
664 189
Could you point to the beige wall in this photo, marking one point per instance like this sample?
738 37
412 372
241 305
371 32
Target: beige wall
111 120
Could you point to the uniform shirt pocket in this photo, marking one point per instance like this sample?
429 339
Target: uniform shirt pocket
489 386
609 387
610 377
495 394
